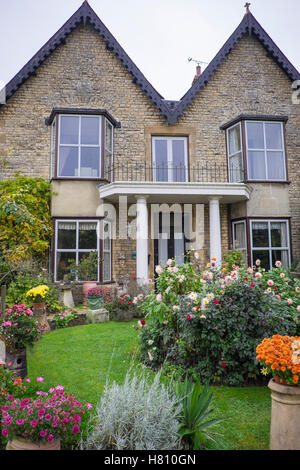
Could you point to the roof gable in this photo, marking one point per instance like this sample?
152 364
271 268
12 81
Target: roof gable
250 26
84 15
171 110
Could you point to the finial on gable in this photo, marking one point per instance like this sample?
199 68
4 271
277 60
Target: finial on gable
247 6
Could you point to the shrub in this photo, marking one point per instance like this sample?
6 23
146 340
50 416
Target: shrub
122 308
18 328
215 329
137 415
26 280
63 319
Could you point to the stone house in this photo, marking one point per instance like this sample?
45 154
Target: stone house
142 179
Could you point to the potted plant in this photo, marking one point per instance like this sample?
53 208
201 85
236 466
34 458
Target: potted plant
40 423
18 329
87 271
95 298
38 296
280 356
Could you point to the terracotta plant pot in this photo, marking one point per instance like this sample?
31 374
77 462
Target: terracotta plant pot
22 444
285 417
86 286
39 311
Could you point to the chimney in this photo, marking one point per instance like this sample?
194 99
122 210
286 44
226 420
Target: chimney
198 73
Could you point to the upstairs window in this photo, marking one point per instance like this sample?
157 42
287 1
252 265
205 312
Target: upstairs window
256 151
170 159
84 146
265 151
235 153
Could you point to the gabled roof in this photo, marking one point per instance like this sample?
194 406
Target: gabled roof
171 110
250 26
84 15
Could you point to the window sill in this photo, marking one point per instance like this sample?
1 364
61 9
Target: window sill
71 178
268 181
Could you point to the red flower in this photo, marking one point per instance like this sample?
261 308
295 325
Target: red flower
197 308
216 301
188 317
129 303
252 285
224 364
245 279
143 322
275 288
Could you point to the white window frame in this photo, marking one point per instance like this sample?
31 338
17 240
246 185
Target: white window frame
242 250
265 150
108 150
76 250
108 222
230 155
80 145
169 140
270 248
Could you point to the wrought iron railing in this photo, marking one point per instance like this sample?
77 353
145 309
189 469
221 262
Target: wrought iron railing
200 173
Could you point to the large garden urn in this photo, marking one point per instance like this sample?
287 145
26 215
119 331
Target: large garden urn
22 444
285 417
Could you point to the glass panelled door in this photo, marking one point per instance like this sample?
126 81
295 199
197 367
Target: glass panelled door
170 240
170 159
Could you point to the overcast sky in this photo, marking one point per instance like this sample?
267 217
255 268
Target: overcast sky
158 35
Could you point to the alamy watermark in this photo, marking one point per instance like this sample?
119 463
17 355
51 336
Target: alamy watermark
187 222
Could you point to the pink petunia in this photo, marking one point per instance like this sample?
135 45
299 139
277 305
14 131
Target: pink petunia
76 429
34 423
50 438
44 433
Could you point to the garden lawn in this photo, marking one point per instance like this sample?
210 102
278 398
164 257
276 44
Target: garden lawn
82 358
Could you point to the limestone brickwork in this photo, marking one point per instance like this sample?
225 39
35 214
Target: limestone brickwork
83 73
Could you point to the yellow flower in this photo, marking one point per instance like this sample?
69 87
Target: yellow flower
264 371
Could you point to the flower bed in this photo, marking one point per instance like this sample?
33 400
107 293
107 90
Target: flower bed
209 322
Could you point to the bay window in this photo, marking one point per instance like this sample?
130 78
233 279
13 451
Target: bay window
75 239
81 145
265 151
270 242
256 146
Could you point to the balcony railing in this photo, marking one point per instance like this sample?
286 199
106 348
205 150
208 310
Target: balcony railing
141 172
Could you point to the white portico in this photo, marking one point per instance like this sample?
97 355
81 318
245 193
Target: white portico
144 194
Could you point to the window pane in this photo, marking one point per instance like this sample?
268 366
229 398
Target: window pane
161 160
108 135
93 273
239 236
264 257
106 267
275 165
90 162
106 236
256 165
281 255
108 165
179 173
90 130
274 135
87 236
279 234
66 236
260 234
236 168
63 261
68 161
255 135
234 140
69 129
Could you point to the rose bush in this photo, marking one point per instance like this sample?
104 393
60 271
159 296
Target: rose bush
210 322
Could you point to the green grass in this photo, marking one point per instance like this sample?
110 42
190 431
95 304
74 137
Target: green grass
82 358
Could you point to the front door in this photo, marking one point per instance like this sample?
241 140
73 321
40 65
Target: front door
170 240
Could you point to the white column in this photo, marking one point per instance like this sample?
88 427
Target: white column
141 240
215 230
